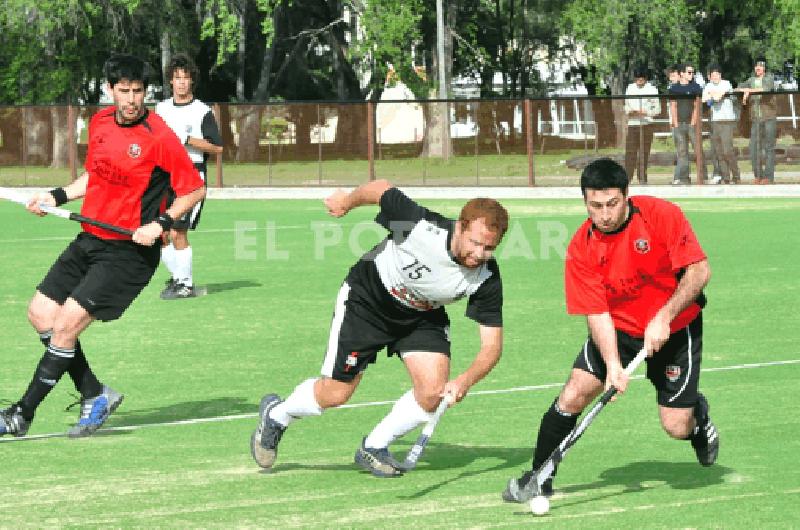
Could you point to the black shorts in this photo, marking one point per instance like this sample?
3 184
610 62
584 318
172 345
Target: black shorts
103 276
358 334
674 370
190 219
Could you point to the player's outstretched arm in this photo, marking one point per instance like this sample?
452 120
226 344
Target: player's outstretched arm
340 202
486 359
74 190
204 145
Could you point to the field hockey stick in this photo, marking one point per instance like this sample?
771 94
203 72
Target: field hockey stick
534 486
17 197
419 446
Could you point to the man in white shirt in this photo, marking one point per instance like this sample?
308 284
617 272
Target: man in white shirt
640 111
195 125
716 94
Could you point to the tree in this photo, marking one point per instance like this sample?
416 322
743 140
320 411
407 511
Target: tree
618 35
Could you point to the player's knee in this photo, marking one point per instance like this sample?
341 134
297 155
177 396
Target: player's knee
573 400
429 399
40 314
331 393
679 429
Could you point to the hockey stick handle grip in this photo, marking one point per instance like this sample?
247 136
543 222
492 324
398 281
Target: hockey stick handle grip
101 224
632 366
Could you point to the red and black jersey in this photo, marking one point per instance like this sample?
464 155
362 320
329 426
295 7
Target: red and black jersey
130 168
632 272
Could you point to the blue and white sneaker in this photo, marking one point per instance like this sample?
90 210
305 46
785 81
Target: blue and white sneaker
264 440
12 422
95 411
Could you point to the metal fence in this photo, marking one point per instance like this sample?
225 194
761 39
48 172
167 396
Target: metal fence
542 142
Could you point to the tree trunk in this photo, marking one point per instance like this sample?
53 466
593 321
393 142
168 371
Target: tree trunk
249 128
166 57
38 140
59 116
241 58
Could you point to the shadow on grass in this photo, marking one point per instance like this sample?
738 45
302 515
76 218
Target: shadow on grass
215 288
637 476
437 457
442 456
641 476
189 410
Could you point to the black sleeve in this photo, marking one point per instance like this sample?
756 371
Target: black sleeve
210 130
399 214
485 306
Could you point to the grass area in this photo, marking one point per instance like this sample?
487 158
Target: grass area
176 453
550 169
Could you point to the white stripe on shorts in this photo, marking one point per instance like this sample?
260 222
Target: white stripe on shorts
336 326
689 371
196 208
586 355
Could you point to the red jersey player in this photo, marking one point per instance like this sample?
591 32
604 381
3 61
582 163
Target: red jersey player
133 158
637 271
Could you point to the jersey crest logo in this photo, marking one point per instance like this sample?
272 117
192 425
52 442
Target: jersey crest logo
673 372
134 150
642 246
351 361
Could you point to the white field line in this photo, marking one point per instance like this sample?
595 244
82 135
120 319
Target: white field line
215 419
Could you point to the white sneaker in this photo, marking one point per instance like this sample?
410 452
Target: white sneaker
676 182
716 179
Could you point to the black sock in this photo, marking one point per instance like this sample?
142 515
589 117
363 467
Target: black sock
85 381
82 376
555 426
51 367
698 437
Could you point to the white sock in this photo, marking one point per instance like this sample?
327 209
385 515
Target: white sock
168 257
300 403
404 417
183 266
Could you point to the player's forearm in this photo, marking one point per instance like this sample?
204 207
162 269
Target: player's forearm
77 188
204 145
692 283
487 357
601 327
184 203
369 193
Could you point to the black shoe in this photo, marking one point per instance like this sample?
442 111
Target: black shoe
12 422
265 439
178 291
523 489
379 462
706 438
169 286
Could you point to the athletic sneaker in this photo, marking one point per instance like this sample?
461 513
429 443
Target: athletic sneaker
178 291
706 446
716 179
12 422
95 411
521 489
169 286
379 462
265 439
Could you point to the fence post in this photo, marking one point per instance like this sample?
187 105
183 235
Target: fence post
698 141
529 142
218 156
73 146
371 138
